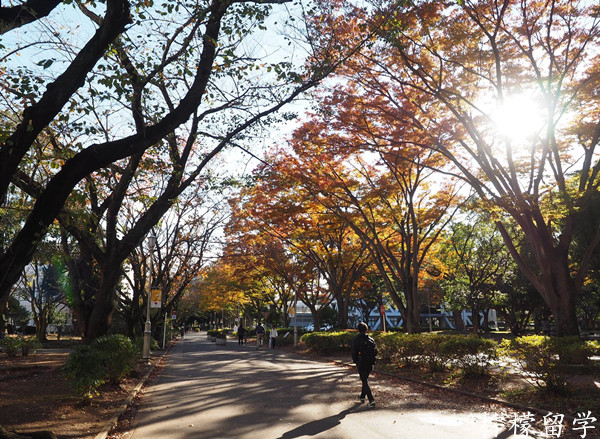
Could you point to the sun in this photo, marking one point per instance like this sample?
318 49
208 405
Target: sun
518 118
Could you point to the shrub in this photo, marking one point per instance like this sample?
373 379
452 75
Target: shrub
405 348
387 346
572 350
108 358
410 349
537 356
432 355
85 370
26 345
29 345
11 345
219 333
471 354
325 342
286 341
283 340
593 346
118 355
139 344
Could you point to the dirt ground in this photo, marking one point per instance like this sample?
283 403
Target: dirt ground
34 396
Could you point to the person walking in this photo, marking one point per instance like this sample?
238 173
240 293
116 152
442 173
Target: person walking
241 334
273 336
260 332
364 354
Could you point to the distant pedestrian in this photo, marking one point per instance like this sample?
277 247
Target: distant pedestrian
182 329
260 332
364 354
273 336
241 333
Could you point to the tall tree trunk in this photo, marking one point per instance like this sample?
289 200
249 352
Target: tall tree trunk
100 319
554 281
459 323
343 312
475 320
559 292
96 307
3 306
486 320
412 297
40 326
414 322
316 315
562 304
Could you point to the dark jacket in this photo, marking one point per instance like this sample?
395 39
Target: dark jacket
360 358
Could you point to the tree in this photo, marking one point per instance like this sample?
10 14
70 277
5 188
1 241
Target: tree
283 215
113 101
461 64
216 291
588 303
366 170
372 293
12 17
477 264
40 286
263 265
17 314
183 238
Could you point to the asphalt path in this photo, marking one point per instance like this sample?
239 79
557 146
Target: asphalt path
208 391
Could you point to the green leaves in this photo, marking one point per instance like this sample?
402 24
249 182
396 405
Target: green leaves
45 63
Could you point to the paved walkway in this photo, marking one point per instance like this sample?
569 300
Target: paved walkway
209 391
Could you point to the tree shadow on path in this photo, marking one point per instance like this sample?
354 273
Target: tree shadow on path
319 426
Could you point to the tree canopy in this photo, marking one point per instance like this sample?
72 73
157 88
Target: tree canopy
459 73
108 92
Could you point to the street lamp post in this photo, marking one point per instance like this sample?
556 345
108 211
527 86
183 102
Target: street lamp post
147 326
295 317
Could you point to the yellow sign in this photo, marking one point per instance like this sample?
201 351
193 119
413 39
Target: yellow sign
156 297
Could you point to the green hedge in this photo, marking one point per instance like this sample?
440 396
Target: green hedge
544 358
108 358
399 347
537 356
435 355
469 354
289 340
472 355
118 355
573 350
139 344
85 370
218 333
26 345
327 342
437 352
11 345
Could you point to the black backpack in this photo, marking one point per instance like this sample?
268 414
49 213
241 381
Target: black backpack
368 351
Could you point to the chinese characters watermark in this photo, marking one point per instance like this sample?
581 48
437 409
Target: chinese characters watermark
554 424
